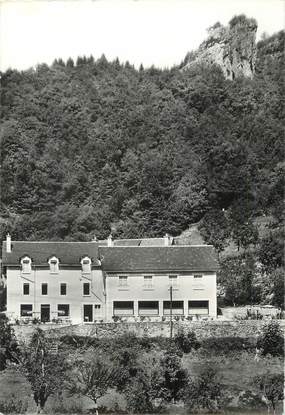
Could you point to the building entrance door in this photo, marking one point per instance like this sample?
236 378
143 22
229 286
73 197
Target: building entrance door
45 313
88 312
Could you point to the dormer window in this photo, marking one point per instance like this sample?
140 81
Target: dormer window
86 265
26 263
53 265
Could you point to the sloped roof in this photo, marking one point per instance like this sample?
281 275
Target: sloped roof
117 258
166 258
68 252
135 242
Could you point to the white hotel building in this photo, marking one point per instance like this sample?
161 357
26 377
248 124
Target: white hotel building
127 279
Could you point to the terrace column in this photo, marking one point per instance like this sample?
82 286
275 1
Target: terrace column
160 308
186 308
136 308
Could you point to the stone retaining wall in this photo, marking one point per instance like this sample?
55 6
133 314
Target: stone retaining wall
203 329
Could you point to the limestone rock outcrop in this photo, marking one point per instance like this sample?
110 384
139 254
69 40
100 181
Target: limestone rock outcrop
231 47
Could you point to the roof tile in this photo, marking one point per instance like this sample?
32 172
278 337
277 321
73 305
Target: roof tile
166 258
68 252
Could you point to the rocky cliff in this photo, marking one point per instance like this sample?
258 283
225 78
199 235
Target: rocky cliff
231 47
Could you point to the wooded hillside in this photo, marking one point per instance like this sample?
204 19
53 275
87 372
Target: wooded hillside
95 145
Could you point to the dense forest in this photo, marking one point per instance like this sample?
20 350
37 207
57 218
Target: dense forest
93 147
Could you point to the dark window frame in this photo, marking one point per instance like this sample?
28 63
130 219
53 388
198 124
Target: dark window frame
26 313
44 288
123 305
85 285
176 305
64 308
63 287
147 304
199 304
26 288
123 281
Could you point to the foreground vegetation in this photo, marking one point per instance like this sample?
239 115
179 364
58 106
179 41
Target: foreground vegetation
141 375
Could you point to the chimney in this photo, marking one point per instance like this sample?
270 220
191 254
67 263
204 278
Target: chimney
166 239
94 239
110 241
8 244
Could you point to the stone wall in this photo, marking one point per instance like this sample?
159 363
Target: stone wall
203 329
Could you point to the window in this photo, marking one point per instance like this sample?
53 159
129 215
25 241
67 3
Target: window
86 265
123 281
26 310
26 265
198 275
148 308
147 281
198 307
44 289
26 289
86 288
63 310
63 288
97 306
123 308
53 265
177 307
173 280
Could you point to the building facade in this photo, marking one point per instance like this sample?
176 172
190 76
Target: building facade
105 281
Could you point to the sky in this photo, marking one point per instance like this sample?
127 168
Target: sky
151 32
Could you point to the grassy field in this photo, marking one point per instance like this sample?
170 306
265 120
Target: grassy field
236 370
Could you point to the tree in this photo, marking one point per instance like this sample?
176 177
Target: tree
271 251
245 234
146 390
9 351
43 368
271 387
271 340
3 296
238 278
215 229
186 341
92 375
278 289
243 230
191 196
204 392
175 377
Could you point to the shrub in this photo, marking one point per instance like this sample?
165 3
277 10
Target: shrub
64 405
137 395
271 340
271 387
9 351
13 405
186 341
249 399
175 377
226 345
204 392
147 388
242 20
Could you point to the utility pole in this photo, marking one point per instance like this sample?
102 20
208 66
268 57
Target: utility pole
171 325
